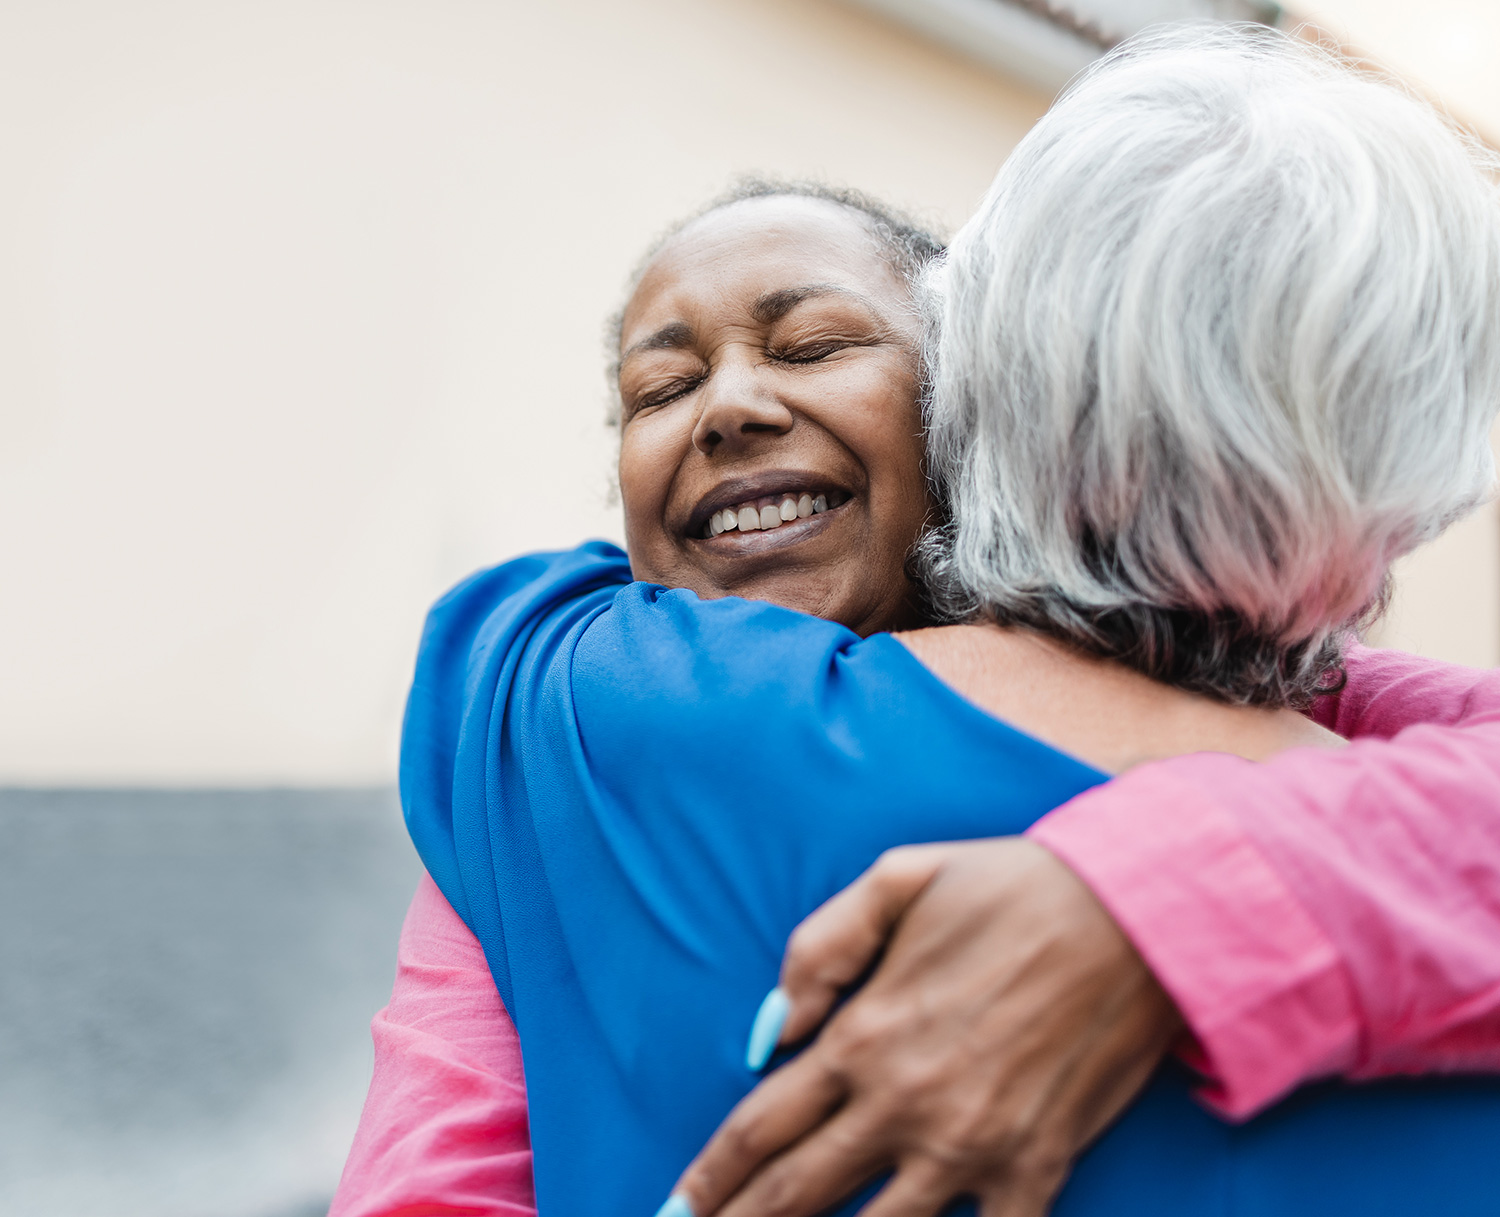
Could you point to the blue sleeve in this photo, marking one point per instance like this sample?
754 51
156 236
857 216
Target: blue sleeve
703 737
475 633
631 796
730 736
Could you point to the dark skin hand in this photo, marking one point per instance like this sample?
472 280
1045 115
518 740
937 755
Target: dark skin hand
1025 1021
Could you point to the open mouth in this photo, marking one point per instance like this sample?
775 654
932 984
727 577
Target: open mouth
771 511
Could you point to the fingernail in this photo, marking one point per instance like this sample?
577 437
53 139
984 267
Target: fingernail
675 1206
766 1032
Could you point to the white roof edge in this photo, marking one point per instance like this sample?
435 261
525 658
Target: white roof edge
998 34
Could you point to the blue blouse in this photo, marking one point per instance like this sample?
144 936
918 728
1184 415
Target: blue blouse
632 796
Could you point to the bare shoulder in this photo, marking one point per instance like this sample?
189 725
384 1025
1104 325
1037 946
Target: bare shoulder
1100 711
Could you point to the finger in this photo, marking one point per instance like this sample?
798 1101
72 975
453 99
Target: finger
782 1109
1018 1199
836 943
813 1175
919 1189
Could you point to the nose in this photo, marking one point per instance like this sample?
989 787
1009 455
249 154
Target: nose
737 408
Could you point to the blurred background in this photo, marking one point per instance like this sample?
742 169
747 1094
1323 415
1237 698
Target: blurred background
301 320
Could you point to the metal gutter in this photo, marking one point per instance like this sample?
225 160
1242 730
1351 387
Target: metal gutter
1044 43
998 34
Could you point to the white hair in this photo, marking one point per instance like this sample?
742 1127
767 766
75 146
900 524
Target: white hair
1222 341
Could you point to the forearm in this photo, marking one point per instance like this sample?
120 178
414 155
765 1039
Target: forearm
444 1127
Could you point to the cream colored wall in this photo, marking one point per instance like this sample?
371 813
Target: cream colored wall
300 315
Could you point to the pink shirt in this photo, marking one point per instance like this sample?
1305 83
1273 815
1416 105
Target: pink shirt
1325 912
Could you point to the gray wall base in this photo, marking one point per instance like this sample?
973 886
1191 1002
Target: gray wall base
186 984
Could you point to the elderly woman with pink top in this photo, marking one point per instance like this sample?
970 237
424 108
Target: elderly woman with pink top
1187 408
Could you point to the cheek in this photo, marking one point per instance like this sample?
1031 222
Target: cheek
885 430
648 462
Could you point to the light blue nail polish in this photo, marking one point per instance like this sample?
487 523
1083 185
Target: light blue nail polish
675 1206
766 1032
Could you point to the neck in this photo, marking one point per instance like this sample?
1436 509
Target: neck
1096 709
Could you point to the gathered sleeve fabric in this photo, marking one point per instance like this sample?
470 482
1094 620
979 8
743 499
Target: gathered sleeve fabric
444 1130
1326 912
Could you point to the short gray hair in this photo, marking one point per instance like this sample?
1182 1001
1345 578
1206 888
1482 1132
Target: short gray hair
1219 345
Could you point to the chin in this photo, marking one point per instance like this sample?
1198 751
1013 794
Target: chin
832 594
864 615
790 590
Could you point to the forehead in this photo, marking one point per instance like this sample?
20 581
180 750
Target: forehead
734 255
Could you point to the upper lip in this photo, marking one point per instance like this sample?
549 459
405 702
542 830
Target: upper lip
734 491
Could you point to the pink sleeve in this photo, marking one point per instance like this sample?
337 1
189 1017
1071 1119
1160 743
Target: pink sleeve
444 1130
1325 912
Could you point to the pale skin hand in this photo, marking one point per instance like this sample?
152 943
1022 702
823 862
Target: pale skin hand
1009 1019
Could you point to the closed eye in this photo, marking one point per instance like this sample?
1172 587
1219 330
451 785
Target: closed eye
665 394
811 352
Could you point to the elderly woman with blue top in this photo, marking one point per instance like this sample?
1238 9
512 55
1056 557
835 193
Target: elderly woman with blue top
1217 347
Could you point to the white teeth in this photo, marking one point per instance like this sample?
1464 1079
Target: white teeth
750 518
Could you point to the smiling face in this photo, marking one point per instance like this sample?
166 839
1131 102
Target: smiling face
770 439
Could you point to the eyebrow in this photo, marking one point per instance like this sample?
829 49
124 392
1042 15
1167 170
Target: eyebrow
773 306
673 337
